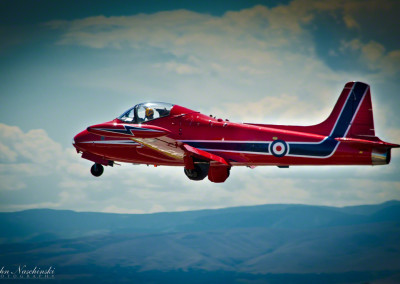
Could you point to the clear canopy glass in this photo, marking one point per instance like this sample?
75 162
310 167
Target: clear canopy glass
145 112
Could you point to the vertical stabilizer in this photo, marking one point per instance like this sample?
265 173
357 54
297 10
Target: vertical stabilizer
352 115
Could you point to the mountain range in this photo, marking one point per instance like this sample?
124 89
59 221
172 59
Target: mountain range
279 243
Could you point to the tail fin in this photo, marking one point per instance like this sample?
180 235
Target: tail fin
352 122
352 115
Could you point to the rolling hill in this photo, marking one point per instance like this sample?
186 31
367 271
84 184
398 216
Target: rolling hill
254 244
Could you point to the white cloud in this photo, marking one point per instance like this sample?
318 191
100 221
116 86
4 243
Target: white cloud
11 182
253 53
179 68
6 154
276 109
374 55
33 154
184 33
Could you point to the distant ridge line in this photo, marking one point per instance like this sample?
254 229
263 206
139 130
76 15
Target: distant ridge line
277 205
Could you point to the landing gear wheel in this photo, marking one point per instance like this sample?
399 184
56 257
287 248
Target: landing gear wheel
199 172
97 170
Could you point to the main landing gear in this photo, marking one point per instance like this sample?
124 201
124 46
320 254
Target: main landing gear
199 172
97 170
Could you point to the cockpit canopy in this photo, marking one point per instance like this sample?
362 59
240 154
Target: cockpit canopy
145 112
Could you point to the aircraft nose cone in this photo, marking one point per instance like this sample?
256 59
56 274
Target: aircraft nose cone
80 140
80 137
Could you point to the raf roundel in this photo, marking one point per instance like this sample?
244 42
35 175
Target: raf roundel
279 148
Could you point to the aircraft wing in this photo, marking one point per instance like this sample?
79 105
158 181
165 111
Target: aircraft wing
205 154
176 149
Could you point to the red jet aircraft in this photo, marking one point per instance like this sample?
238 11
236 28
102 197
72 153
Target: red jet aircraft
171 135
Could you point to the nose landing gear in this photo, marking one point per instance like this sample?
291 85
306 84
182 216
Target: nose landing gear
97 170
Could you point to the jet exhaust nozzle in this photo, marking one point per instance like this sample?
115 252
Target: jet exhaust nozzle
380 157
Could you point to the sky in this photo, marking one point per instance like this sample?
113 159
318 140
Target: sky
65 65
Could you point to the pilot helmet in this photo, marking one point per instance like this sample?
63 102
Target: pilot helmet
149 112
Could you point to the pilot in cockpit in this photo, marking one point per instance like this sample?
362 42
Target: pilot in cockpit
149 114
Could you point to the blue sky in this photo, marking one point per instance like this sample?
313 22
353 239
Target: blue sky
66 65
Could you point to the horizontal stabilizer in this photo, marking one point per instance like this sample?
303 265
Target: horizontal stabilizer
363 142
205 154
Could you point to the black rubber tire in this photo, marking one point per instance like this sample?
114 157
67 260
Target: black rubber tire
97 170
199 173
